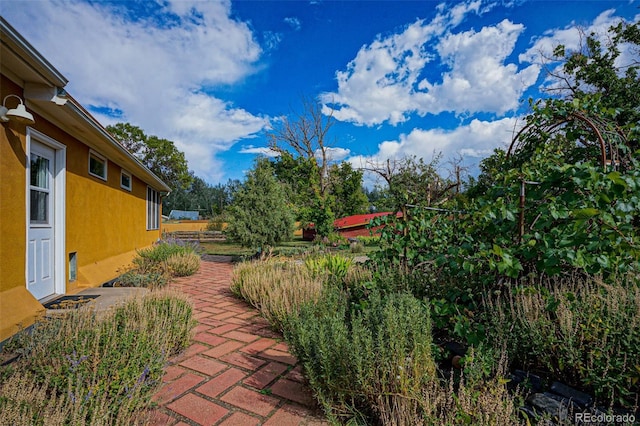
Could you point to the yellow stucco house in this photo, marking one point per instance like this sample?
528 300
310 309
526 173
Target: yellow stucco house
74 204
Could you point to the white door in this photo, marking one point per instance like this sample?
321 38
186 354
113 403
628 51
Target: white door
40 241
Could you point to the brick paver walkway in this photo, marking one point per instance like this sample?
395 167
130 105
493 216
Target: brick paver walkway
238 371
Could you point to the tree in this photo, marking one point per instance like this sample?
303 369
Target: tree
379 198
605 74
260 215
208 200
346 189
304 157
563 198
159 155
410 181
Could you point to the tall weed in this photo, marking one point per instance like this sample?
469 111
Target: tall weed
578 330
476 398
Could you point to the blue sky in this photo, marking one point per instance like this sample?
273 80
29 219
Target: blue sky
401 77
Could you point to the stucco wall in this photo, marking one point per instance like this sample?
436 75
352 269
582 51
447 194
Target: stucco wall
13 160
18 308
109 222
185 225
105 224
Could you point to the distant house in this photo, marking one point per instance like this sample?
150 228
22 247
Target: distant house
74 204
184 215
350 226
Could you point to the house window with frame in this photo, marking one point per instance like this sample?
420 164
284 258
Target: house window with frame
97 165
125 180
153 209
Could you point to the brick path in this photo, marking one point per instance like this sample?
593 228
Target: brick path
237 371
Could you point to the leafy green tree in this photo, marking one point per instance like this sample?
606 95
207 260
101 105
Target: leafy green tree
378 198
304 159
159 155
605 70
412 181
260 215
200 196
346 189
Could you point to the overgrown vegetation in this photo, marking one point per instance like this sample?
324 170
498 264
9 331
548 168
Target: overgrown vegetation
373 361
366 346
534 266
85 368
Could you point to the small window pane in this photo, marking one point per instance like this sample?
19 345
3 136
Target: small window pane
97 166
39 206
39 171
125 181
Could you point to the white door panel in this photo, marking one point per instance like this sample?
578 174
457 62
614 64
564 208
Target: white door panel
40 240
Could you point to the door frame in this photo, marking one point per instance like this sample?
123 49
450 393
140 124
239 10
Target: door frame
59 207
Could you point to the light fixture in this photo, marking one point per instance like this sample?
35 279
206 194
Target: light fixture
19 113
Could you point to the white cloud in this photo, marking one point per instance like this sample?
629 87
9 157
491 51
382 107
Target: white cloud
472 142
260 150
271 40
293 23
385 82
156 70
479 80
334 154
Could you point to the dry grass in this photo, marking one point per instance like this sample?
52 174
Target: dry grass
86 369
275 288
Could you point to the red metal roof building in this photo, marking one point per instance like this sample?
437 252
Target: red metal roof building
351 226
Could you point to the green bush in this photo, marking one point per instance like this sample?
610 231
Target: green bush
99 368
275 288
371 363
217 223
154 266
369 241
183 265
356 247
162 250
329 266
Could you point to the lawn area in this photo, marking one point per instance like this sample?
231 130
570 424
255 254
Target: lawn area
288 248
229 248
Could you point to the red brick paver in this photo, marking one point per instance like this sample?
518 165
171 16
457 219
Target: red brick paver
237 371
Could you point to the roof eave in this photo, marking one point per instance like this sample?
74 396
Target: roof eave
30 55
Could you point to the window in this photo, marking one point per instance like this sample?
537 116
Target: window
73 266
153 208
125 180
40 190
97 165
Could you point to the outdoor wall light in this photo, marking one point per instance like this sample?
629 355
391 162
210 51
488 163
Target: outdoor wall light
19 113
